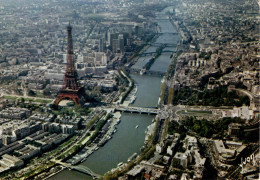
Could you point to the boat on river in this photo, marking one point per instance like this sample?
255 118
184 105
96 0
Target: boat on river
118 121
142 71
132 157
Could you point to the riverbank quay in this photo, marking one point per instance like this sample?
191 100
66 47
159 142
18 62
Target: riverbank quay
129 89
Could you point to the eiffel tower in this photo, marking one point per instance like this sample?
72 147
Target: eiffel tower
71 90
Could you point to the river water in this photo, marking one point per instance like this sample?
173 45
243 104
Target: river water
128 139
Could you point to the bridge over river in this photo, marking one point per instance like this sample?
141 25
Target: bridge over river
154 53
139 110
80 168
163 44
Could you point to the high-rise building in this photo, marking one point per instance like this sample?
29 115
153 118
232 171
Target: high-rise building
101 46
110 37
129 41
121 45
115 45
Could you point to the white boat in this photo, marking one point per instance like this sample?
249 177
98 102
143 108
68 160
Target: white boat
132 157
136 126
142 71
82 160
120 164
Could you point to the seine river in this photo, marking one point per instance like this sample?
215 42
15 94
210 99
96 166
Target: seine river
128 139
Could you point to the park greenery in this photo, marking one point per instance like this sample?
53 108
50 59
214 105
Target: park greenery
93 120
171 69
216 97
122 79
98 127
27 100
210 129
166 127
174 127
34 104
77 111
163 92
218 129
170 94
167 94
31 174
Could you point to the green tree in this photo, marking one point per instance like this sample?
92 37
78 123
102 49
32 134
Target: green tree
196 127
31 93
46 92
170 95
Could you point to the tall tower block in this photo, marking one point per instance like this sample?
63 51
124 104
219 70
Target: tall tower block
71 90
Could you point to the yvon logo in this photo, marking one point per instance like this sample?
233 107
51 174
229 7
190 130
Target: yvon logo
247 160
